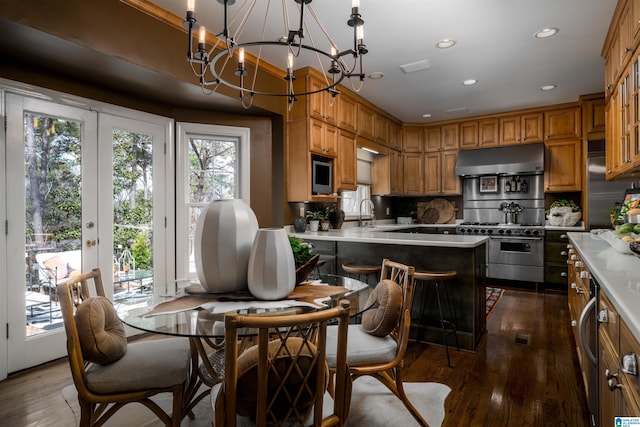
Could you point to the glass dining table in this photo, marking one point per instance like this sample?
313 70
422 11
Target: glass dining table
199 316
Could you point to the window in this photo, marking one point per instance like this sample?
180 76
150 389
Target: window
350 202
213 164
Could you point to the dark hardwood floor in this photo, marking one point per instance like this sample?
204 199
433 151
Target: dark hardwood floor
524 373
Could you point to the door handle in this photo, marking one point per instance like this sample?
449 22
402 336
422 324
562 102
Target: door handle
91 243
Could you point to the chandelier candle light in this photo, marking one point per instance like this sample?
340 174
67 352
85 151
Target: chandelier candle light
331 61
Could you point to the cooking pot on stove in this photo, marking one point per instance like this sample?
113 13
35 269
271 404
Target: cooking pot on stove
511 217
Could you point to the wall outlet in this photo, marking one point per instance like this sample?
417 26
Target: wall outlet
388 211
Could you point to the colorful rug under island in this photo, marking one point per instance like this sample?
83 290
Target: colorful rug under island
493 296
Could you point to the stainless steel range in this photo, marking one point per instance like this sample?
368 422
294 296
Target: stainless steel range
508 207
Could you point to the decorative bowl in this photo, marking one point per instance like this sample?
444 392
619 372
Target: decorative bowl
305 270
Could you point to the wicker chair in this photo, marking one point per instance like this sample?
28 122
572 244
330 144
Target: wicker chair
382 357
282 379
144 370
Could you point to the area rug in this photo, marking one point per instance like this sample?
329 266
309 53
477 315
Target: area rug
493 296
372 405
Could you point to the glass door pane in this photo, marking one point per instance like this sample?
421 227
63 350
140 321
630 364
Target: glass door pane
50 215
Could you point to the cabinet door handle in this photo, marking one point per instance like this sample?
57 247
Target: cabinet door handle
563 253
563 236
629 364
613 386
563 274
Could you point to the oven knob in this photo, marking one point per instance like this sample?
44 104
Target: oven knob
535 232
501 231
527 232
483 231
508 231
475 230
490 231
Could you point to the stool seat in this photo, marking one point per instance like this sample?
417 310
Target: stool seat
434 275
361 269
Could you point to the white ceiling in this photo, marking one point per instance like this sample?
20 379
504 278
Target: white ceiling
495 45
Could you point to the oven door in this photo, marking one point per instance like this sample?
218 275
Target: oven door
516 258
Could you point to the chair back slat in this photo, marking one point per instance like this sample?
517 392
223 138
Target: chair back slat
291 368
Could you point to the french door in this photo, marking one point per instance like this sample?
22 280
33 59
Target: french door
79 194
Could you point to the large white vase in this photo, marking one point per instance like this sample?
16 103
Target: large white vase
223 239
272 270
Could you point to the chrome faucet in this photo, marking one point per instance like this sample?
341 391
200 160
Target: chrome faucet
372 223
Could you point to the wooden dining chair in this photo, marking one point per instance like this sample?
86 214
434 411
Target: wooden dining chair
108 372
282 379
377 346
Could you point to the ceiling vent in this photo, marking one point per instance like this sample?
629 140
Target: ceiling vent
416 66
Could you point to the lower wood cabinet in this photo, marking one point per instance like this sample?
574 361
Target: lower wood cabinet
555 259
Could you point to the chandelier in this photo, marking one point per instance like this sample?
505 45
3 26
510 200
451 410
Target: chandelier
216 65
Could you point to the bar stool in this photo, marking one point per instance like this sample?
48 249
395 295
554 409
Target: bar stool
361 272
447 326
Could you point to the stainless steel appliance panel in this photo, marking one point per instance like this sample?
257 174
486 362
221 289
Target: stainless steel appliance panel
526 273
601 194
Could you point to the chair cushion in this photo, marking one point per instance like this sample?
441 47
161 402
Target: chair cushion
59 265
102 336
362 347
158 363
382 317
248 373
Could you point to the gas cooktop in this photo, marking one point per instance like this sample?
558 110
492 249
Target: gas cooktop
499 229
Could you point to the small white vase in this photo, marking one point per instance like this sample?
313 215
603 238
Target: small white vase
222 244
313 225
272 270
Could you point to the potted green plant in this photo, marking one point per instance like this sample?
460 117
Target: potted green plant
320 215
564 213
304 258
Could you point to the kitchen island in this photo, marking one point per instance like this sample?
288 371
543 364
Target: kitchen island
465 254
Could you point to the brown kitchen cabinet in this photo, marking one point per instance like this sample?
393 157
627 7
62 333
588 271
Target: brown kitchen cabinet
563 123
322 105
395 136
440 174
521 129
629 347
372 125
347 112
346 161
593 117
563 165
323 138
413 174
450 137
387 174
396 172
413 138
488 133
469 134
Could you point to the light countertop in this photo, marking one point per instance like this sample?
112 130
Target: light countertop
382 235
618 275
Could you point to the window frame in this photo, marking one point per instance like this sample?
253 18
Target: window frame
183 132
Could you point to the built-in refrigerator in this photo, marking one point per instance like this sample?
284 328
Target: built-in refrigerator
601 194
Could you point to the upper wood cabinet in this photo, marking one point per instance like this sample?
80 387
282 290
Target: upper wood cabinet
625 35
593 118
521 129
488 133
322 105
469 134
450 137
395 136
323 138
372 125
413 137
562 123
387 174
563 165
347 112
509 130
432 139
531 128
346 161
366 122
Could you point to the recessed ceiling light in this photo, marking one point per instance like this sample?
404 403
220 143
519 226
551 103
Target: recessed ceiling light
547 87
426 115
445 43
375 75
546 32
469 82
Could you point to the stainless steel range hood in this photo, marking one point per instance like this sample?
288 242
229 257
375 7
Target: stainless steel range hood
512 159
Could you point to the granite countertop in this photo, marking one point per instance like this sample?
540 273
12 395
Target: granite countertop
382 235
618 275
